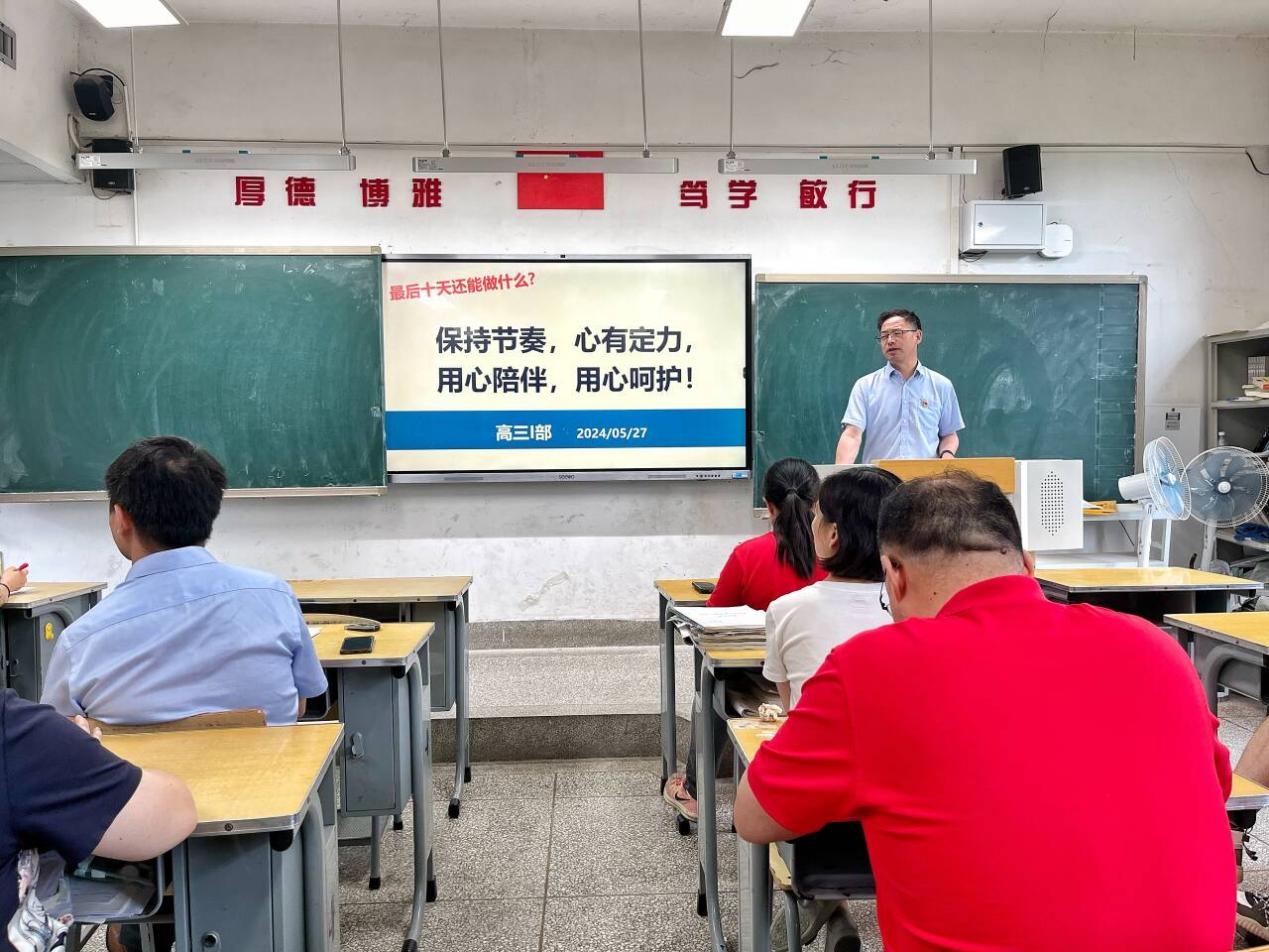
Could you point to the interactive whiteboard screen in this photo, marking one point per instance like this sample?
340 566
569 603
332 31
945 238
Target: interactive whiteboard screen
564 368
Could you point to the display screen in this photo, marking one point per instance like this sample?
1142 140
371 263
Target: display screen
566 366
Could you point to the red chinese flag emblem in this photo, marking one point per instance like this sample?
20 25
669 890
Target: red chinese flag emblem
560 189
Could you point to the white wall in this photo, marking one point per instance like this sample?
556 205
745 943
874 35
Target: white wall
36 96
1192 222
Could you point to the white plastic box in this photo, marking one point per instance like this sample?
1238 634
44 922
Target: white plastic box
1003 226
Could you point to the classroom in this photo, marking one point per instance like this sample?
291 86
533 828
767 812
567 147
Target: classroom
470 477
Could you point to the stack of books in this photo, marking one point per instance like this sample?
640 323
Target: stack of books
1255 389
741 627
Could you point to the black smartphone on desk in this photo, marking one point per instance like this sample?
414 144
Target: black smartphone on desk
359 644
705 588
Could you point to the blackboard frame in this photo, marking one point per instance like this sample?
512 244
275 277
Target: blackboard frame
162 250
1140 280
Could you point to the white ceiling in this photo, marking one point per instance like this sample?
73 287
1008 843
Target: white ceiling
1222 17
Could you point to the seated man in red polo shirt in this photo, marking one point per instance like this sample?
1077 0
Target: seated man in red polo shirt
1004 808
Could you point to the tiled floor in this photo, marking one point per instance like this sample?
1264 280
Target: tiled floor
582 856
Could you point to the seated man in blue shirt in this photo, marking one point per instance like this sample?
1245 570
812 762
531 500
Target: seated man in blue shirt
183 634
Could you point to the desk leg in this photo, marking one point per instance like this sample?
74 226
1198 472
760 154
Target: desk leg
314 859
462 717
707 828
669 751
753 886
376 834
420 783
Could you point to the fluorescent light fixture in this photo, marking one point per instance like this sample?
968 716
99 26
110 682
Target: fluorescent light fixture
848 165
194 161
763 17
113 14
545 164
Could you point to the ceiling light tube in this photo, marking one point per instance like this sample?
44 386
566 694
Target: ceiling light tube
545 164
196 161
114 14
848 165
763 17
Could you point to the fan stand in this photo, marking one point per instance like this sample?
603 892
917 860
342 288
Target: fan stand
1209 547
1145 534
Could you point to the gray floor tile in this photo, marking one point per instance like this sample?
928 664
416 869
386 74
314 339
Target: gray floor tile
497 781
497 849
613 780
665 923
626 846
1235 738
1241 710
503 925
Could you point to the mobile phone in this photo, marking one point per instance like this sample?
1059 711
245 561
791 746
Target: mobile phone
359 644
705 588
362 626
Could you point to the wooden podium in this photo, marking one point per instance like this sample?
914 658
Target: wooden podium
996 469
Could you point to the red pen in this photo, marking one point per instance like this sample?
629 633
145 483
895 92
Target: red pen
22 567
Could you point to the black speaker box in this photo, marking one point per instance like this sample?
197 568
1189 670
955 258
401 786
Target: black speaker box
1022 171
113 180
95 92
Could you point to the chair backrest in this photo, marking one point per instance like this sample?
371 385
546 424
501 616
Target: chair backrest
247 717
326 618
832 864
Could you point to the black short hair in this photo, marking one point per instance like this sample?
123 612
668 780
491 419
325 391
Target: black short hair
170 488
790 485
952 512
851 500
914 322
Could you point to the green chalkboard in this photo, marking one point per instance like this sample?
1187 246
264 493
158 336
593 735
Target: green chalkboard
274 362
1043 370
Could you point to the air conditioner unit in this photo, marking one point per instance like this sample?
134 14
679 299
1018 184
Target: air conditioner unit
1003 226
1049 500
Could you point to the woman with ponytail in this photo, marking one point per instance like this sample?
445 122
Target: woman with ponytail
758 572
782 560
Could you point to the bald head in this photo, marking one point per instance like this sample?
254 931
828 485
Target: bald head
939 534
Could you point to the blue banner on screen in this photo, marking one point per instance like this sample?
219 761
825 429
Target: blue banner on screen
562 429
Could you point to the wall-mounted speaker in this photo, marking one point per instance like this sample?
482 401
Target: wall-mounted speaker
94 93
1022 171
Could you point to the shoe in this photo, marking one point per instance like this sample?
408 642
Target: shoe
841 934
814 915
676 795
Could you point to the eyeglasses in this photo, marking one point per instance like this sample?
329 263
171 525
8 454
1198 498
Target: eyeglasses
881 599
887 335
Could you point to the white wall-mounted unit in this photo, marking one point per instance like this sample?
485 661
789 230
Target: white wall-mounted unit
1003 226
1049 499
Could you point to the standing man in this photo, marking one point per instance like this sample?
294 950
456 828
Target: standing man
907 410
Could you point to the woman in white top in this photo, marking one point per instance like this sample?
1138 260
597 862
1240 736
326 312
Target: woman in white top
804 626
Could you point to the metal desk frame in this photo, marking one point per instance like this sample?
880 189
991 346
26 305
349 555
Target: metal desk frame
22 667
458 610
1224 659
418 741
1161 600
669 734
711 699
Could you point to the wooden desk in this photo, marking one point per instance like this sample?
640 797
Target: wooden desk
387 762
30 623
1150 593
671 592
711 700
445 601
256 873
1230 649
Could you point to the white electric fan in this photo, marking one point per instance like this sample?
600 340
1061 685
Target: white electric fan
1163 491
1228 486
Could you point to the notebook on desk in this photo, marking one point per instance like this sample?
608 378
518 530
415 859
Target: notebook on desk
737 627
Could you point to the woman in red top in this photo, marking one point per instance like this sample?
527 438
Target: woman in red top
758 572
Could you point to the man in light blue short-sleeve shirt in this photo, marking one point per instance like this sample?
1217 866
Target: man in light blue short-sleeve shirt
907 410
183 634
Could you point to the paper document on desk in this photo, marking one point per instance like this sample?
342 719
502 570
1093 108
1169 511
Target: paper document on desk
721 621
313 630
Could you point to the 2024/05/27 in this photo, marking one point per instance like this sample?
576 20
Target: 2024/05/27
612 433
